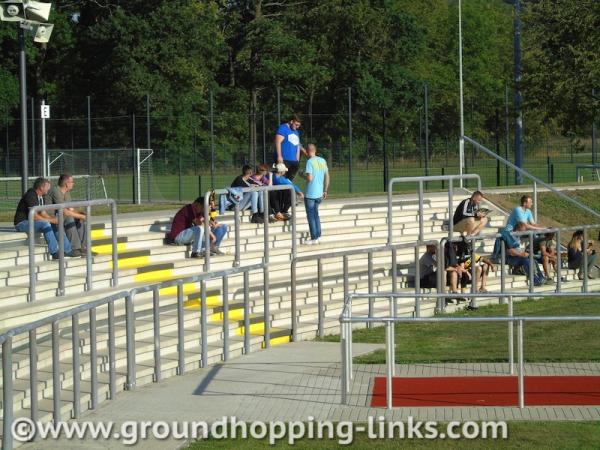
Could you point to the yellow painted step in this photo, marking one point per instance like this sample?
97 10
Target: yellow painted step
278 341
188 288
106 249
234 314
212 301
130 263
99 234
153 276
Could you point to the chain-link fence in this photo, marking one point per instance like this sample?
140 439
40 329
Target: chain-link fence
362 152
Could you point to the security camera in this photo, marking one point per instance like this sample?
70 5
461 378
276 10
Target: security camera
12 11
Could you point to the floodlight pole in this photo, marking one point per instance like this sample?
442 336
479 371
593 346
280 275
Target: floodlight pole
23 91
461 142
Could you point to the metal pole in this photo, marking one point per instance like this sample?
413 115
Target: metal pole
507 131
320 312
531 263
76 366
32 108
421 231
247 312
344 364
112 370
61 252
212 142
511 338
350 139
33 376
55 373
23 92
558 263
203 325
461 142
521 367
156 332
89 133
426 131
237 224
225 299
385 161
93 361
88 248
390 367
518 98
130 342
148 146
7 394
417 283
180 331
535 201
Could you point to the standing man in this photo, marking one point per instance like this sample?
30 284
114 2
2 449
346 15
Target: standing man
467 217
73 219
34 197
288 146
317 177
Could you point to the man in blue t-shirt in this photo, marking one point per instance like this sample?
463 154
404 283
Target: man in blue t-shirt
288 146
522 214
317 176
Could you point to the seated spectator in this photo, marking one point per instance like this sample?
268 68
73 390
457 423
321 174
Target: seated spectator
34 197
544 252
428 268
217 230
261 176
467 217
74 228
251 200
516 257
522 214
575 254
283 199
187 227
455 270
484 266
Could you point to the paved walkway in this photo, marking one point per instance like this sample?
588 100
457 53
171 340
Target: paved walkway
297 381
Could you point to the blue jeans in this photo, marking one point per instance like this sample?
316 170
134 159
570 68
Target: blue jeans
253 200
219 233
312 213
517 261
191 235
42 226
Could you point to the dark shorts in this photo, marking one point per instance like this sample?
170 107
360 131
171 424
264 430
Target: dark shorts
292 169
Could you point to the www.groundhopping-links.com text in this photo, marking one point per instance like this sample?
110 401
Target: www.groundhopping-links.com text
132 432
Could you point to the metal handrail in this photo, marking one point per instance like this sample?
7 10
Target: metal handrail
421 180
61 236
265 190
345 254
346 320
535 180
74 313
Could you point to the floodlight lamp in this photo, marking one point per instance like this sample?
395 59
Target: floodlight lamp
43 32
12 11
37 11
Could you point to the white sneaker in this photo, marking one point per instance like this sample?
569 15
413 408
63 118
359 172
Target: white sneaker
309 242
316 241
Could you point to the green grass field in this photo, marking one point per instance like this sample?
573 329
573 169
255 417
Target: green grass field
488 342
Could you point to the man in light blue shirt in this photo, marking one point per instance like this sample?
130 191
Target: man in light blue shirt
317 176
522 214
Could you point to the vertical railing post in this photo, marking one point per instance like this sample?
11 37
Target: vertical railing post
203 325
130 336
585 260
61 252
293 288
180 332
31 244
115 253
55 374
511 338
558 263
521 367
535 201
247 312
267 314
237 224
421 231
345 269
93 360
225 297
370 285
390 213
394 270
474 278
320 312
450 207
417 282
76 366
33 377
293 227
502 267
112 375
389 360
156 329
7 394
344 380
441 277
88 248
532 264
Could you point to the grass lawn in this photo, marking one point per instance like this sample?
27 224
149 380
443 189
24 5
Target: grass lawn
521 435
488 342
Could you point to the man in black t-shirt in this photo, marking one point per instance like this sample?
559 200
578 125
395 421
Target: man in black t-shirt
34 197
467 218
